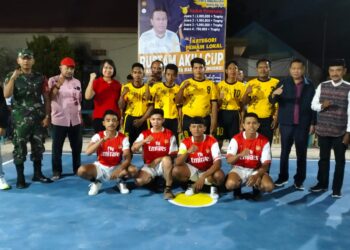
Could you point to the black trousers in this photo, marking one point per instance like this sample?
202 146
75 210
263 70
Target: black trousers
265 128
59 134
326 143
298 135
130 130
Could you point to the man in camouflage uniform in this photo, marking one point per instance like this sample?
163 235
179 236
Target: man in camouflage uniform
30 115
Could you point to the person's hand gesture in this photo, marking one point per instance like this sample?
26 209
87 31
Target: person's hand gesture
254 181
278 91
125 91
192 149
186 84
16 74
148 139
249 90
93 76
326 104
198 185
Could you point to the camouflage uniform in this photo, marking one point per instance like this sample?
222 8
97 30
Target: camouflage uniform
28 113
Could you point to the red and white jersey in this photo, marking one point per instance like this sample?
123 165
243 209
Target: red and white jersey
110 152
259 147
163 143
208 152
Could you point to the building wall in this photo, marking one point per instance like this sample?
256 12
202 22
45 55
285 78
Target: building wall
120 47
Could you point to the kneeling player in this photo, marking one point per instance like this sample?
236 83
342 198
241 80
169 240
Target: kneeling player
199 160
159 145
111 146
250 156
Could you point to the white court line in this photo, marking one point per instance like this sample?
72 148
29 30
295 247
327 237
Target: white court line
45 153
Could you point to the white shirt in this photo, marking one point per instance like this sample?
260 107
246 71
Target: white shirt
149 42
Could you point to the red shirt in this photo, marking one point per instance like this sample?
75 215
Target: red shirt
208 152
163 143
110 152
259 148
106 96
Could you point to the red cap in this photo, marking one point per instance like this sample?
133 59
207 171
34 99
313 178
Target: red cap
69 62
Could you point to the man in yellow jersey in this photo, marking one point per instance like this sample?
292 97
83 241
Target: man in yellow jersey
198 97
134 100
230 92
257 98
163 97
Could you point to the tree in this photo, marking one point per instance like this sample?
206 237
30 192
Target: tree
48 53
7 63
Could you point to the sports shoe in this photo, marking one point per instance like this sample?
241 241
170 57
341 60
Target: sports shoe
280 183
123 188
3 184
318 188
336 194
214 193
299 187
94 188
168 194
189 191
56 176
41 178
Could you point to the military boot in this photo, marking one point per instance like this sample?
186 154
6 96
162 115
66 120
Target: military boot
21 182
38 175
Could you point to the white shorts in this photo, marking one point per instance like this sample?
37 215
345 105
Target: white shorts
104 172
243 173
155 171
196 173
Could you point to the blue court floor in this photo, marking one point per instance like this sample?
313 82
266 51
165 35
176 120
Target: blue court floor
62 216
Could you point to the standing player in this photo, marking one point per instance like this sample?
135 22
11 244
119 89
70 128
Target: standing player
257 98
159 145
250 155
111 146
134 99
198 97
231 92
163 97
199 160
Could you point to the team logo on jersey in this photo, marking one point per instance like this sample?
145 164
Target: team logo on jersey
258 148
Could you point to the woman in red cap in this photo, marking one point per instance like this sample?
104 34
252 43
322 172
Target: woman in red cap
106 92
65 94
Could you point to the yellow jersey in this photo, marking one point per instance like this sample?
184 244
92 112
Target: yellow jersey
136 100
230 95
163 97
261 91
198 96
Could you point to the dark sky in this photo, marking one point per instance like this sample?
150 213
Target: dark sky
299 23
304 25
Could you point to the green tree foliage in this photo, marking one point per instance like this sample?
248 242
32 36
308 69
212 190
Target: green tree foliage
48 53
7 63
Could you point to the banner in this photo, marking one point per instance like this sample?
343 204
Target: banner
176 31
